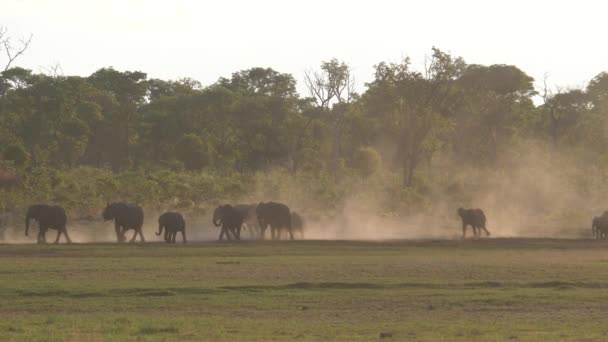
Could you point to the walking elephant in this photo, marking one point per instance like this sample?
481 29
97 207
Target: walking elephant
48 217
172 223
277 216
125 216
474 218
231 221
250 218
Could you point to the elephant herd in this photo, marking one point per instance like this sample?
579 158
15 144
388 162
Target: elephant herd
231 219
255 218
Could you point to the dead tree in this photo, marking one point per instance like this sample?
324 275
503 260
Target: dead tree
12 51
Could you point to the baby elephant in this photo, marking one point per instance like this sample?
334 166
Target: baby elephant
474 218
172 222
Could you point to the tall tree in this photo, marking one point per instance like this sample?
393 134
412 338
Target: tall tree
415 105
333 90
128 90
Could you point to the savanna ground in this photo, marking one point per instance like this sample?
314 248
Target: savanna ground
485 290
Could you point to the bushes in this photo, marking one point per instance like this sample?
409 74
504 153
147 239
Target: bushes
16 154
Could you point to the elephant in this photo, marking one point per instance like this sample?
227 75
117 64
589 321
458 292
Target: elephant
230 220
172 222
125 216
599 226
277 216
48 217
250 218
475 218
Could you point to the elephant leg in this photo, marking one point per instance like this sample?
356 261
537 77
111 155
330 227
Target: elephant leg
184 236
173 236
65 233
58 236
40 237
42 234
119 232
134 236
464 231
141 235
485 229
226 231
221 234
290 234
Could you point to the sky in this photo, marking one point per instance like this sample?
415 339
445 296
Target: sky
205 40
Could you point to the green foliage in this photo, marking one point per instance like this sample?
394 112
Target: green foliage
16 154
191 151
86 140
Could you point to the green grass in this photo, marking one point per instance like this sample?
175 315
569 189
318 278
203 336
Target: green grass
498 289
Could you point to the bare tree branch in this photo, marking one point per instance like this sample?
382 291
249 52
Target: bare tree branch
54 70
13 52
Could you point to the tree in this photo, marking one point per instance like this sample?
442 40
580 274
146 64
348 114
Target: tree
191 151
333 90
262 116
562 112
494 107
11 50
415 105
367 161
127 93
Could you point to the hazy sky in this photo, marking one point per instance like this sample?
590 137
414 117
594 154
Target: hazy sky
208 39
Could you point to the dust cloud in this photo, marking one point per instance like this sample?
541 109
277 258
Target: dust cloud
532 191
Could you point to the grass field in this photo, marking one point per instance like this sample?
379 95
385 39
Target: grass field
495 289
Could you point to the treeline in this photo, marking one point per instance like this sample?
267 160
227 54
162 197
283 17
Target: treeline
405 121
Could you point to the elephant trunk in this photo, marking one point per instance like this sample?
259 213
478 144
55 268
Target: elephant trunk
160 229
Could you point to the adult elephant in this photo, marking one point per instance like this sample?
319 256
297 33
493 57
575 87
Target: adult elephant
172 222
125 216
474 218
231 221
277 216
48 217
250 218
